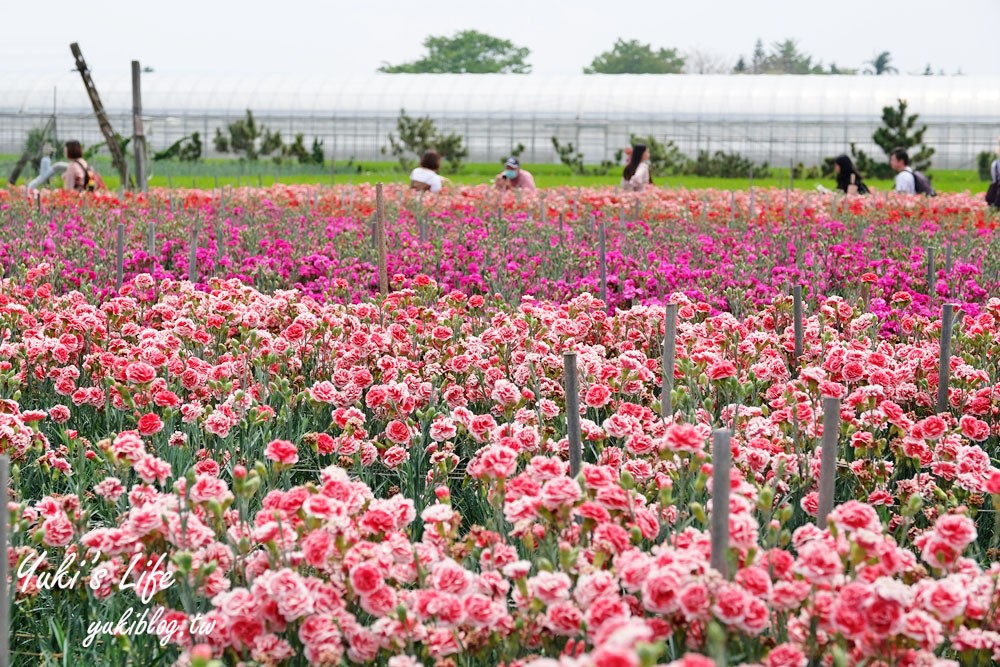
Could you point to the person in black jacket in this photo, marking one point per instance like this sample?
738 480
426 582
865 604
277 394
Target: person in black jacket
848 176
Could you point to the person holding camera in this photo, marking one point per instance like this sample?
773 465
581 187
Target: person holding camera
513 176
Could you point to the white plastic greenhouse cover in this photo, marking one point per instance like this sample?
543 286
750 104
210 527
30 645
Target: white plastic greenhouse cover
955 98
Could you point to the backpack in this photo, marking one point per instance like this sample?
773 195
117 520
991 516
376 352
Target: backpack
993 192
90 177
921 184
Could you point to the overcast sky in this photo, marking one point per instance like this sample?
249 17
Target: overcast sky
349 38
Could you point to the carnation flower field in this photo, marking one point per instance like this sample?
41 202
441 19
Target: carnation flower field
276 465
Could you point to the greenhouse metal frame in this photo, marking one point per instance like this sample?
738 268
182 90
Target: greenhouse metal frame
775 119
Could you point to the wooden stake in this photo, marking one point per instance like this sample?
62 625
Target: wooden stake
721 455
4 564
669 354
797 311
602 242
152 239
572 412
828 469
120 257
193 256
383 277
944 369
931 273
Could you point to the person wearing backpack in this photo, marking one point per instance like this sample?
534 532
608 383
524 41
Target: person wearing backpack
993 193
907 179
79 175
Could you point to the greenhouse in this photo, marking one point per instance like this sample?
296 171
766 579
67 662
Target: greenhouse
777 119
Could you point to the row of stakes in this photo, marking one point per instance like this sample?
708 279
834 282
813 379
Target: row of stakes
379 242
721 438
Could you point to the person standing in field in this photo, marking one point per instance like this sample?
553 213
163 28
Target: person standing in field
848 178
426 177
513 176
636 173
47 169
899 160
79 176
993 194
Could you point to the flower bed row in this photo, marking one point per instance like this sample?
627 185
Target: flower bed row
386 482
733 251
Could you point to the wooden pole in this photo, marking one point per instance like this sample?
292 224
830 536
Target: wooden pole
4 564
669 354
797 311
383 277
110 136
948 258
944 369
721 455
572 412
828 469
138 136
120 257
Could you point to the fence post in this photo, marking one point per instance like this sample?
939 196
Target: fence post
797 311
721 454
944 369
383 277
572 412
138 135
120 257
733 205
4 564
828 469
602 242
669 354
947 258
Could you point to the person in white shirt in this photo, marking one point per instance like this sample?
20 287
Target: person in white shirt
899 160
47 169
636 173
426 177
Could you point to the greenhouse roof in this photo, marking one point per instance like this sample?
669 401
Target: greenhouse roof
506 95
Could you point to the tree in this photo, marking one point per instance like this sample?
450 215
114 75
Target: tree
573 159
785 58
632 57
186 149
881 64
741 66
697 61
757 63
898 130
246 137
468 52
842 70
418 135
